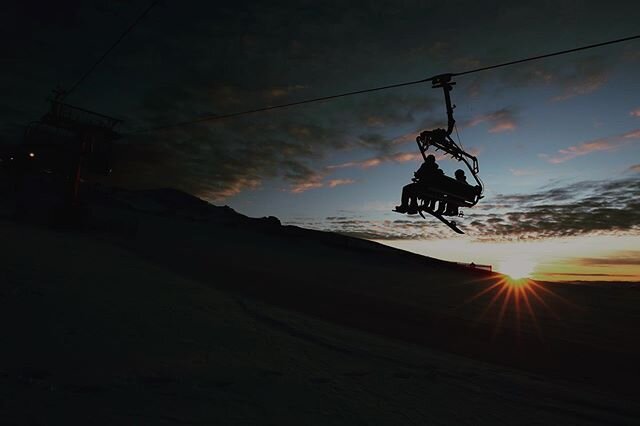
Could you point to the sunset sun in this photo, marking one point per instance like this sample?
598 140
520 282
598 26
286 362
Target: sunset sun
517 268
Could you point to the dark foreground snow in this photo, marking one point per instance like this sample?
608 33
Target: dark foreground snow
157 315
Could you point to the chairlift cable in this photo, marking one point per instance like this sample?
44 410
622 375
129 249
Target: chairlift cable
547 55
113 46
269 108
455 126
375 89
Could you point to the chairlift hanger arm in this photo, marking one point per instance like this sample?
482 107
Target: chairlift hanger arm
444 81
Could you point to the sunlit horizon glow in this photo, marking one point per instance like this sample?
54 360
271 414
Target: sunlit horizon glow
580 258
517 267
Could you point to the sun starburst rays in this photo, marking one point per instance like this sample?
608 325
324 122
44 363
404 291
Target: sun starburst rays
515 304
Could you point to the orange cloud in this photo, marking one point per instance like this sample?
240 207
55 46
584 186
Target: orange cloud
635 113
603 144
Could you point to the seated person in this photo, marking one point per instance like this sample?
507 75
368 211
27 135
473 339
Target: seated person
452 208
409 200
460 177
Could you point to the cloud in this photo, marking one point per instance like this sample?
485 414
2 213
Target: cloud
634 134
393 108
223 158
364 164
523 172
581 208
635 113
337 182
635 168
234 188
584 274
573 76
408 137
621 258
398 157
602 144
400 229
301 187
220 160
575 209
317 181
502 120
375 141
279 92
583 86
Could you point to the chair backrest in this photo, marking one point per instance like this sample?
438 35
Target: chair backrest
453 189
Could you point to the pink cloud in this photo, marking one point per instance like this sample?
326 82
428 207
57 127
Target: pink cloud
403 157
316 182
472 150
235 188
299 188
587 85
602 144
372 162
364 164
312 182
502 127
399 157
635 113
634 134
502 120
409 137
343 165
337 182
582 149
635 168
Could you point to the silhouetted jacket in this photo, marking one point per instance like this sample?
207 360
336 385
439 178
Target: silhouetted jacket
428 170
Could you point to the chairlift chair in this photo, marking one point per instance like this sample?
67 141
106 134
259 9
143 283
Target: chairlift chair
444 189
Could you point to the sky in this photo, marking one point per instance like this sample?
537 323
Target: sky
558 140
